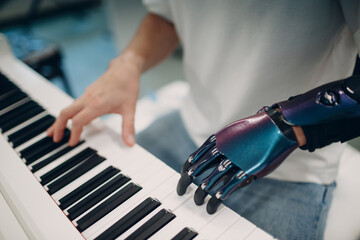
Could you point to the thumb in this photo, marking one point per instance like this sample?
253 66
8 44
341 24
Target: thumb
128 129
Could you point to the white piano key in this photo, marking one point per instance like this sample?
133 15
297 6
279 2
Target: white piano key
145 173
154 181
60 160
259 234
24 124
81 180
195 217
171 229
48 155
171 202
98 203
141 178
26 144
219 224
107 221
130 165
239 230
161 192
140 223
198 215
85 196
102 165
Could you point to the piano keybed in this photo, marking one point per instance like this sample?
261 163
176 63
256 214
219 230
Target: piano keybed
127 195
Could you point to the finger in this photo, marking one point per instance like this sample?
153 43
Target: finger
183 183
75 135
50 131
128 129
203 148
81 119
222 173
238 180
198 153
61 121
209 159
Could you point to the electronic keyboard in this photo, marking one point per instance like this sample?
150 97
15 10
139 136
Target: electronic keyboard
98 189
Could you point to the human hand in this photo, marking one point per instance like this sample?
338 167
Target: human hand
243 151
116 91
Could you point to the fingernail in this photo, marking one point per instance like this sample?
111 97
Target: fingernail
131 139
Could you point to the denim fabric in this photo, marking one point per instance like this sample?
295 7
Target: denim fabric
286 210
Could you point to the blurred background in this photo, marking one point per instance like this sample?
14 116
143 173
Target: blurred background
71 42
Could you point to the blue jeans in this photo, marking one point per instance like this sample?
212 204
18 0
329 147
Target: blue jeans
286 210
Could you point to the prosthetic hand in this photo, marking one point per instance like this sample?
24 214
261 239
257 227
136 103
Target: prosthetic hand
253 147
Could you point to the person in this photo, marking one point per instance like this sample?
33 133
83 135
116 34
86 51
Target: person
238 57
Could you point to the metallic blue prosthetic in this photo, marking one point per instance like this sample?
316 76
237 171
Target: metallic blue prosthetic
241 152
253 147
330 102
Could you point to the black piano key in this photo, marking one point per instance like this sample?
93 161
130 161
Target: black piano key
4 81
8 93
5 94
97 196
11 93
185 234
53 157
12 98
6 126
130 219
42 147
87 187
6 85
30 131
153 225
18 111
45 140
107 206
67 165
75 173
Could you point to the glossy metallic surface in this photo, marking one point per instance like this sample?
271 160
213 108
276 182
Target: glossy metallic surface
255 144
326 103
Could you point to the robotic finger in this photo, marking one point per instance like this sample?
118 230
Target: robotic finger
221 174
239 179
210 142
208 159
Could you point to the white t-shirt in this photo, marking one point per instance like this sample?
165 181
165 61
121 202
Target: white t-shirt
242 55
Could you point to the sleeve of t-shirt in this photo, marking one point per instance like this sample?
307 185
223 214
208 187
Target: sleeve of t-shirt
159 7
351 11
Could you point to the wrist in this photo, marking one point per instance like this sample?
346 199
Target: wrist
300 136
296 133
130 58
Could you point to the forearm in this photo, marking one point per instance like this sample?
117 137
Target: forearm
154 41
342 126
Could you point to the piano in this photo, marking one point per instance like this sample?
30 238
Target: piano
99 189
